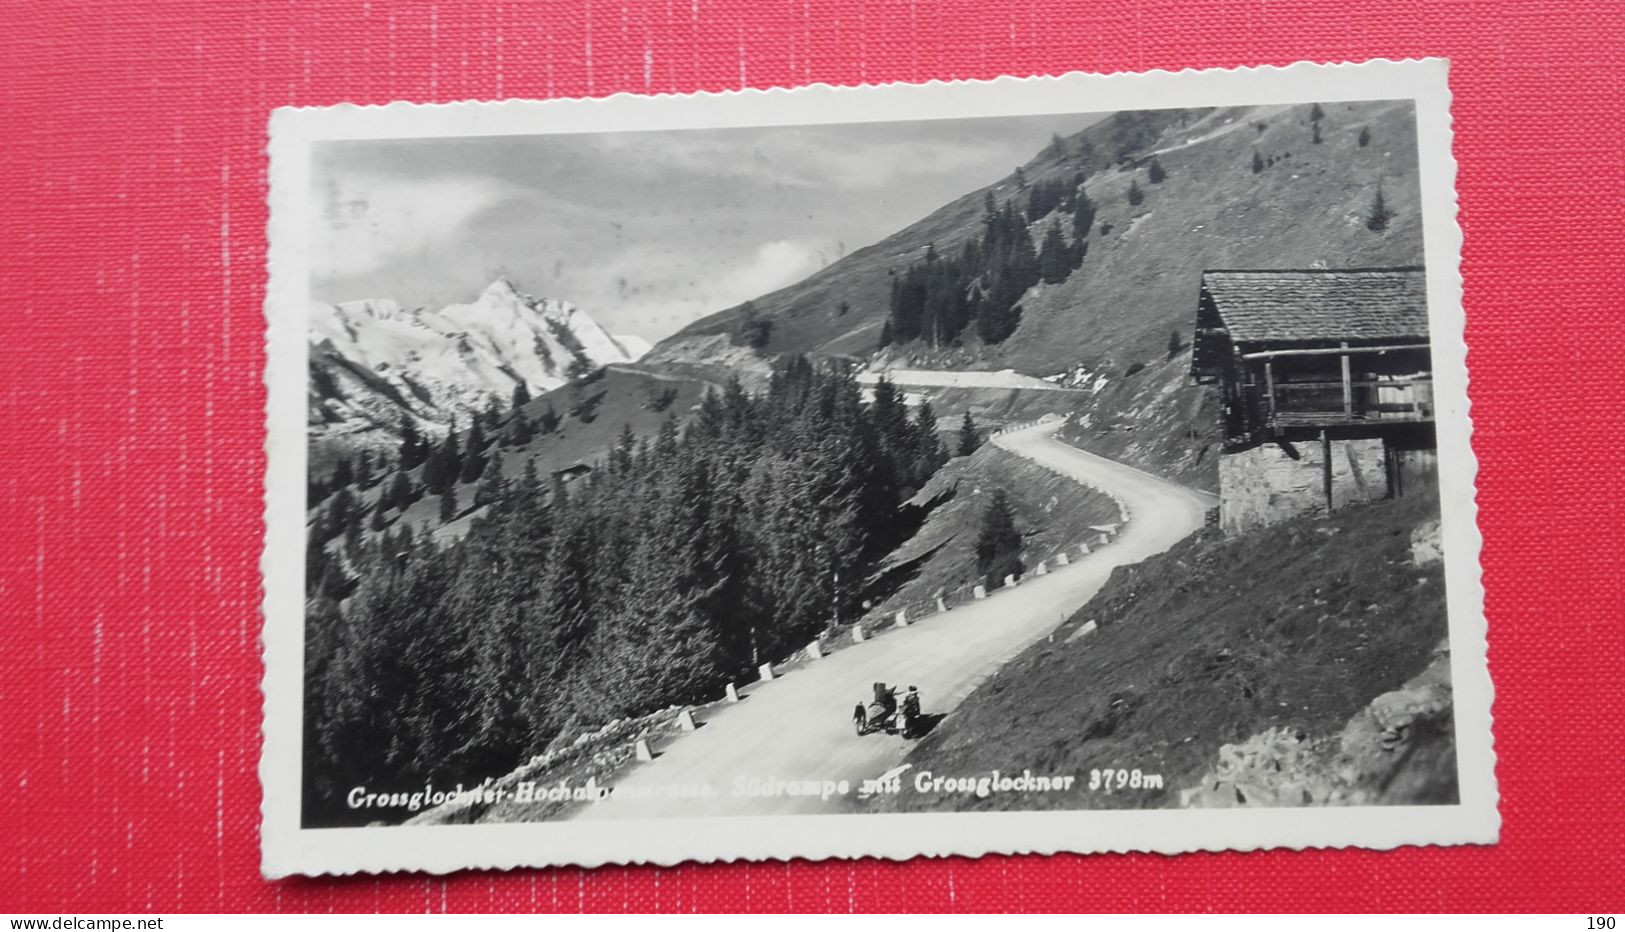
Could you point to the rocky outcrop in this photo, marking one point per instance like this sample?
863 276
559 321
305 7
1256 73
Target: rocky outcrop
1399 750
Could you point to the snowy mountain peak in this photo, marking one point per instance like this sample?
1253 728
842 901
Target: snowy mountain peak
374 362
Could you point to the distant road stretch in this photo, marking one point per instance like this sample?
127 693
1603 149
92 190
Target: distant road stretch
799 727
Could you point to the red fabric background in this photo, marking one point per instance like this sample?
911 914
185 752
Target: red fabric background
132 250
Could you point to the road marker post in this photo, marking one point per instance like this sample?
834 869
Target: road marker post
1043 568
1009 580
979 592
941 605
642 751
1083 548
902 618
766 671
1061 559
814 652
685 720
857 634
732 693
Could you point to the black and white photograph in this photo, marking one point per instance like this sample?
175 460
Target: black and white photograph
1082 466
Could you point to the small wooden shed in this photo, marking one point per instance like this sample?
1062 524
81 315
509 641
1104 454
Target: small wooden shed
1304 353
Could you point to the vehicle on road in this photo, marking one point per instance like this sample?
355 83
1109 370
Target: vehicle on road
887 713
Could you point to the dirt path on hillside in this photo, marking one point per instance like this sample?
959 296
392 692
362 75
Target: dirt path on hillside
799 727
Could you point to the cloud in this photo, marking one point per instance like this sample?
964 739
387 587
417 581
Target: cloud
371 221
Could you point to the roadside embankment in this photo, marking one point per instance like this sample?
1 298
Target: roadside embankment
1310 646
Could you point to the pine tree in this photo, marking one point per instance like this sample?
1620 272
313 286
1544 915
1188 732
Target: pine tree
1365 136
445 463
1378 215
1314 135
1316 114
363 469
1021 178
400 493
549 420
969 437
1135 195
1054 260
379 518
473 462
1056 148
1258 162
998 545
929 454
1156 172
448 505
493 487
521 395
343 474
518 431
414 449
1083 217
1174 344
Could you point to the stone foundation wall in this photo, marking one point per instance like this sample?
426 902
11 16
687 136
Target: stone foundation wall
1262 486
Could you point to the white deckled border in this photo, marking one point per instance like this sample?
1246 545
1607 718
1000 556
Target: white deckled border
288 849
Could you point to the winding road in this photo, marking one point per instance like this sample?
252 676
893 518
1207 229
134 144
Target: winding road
798 727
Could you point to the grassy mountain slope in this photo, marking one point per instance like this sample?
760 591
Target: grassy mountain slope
1291 630
1306 207
1053 512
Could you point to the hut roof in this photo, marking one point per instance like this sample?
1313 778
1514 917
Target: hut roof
1315 304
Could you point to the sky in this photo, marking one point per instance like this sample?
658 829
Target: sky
645 231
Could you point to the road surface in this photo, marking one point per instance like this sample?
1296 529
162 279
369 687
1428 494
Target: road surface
799 727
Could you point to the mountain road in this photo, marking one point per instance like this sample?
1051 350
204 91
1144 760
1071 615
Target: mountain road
799 727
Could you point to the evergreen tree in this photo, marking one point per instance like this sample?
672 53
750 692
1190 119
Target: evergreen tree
1174 344
1258 162
1135 195
1365 136
441 470
1021 178
1155 172
414 449
1378 215
493 487
1056 148
473 463
549 420
929 454
519 430
521 395
448 504
1083 217
363 469
343 474
1314 135
1054 259
969 437
400 493
379 517
998 545
1316 114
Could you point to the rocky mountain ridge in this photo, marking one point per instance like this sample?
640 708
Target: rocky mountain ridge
374 363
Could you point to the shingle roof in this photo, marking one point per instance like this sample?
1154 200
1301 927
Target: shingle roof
1339 304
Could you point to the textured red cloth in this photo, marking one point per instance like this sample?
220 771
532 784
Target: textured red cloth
132 259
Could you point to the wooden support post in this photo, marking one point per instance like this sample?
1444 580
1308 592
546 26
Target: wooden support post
1269 382
1326 468
1348 387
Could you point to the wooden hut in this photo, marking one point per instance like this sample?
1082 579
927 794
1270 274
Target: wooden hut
1323 356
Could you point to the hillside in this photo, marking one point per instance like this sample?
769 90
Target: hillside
1054 513
1309 651
1305 206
